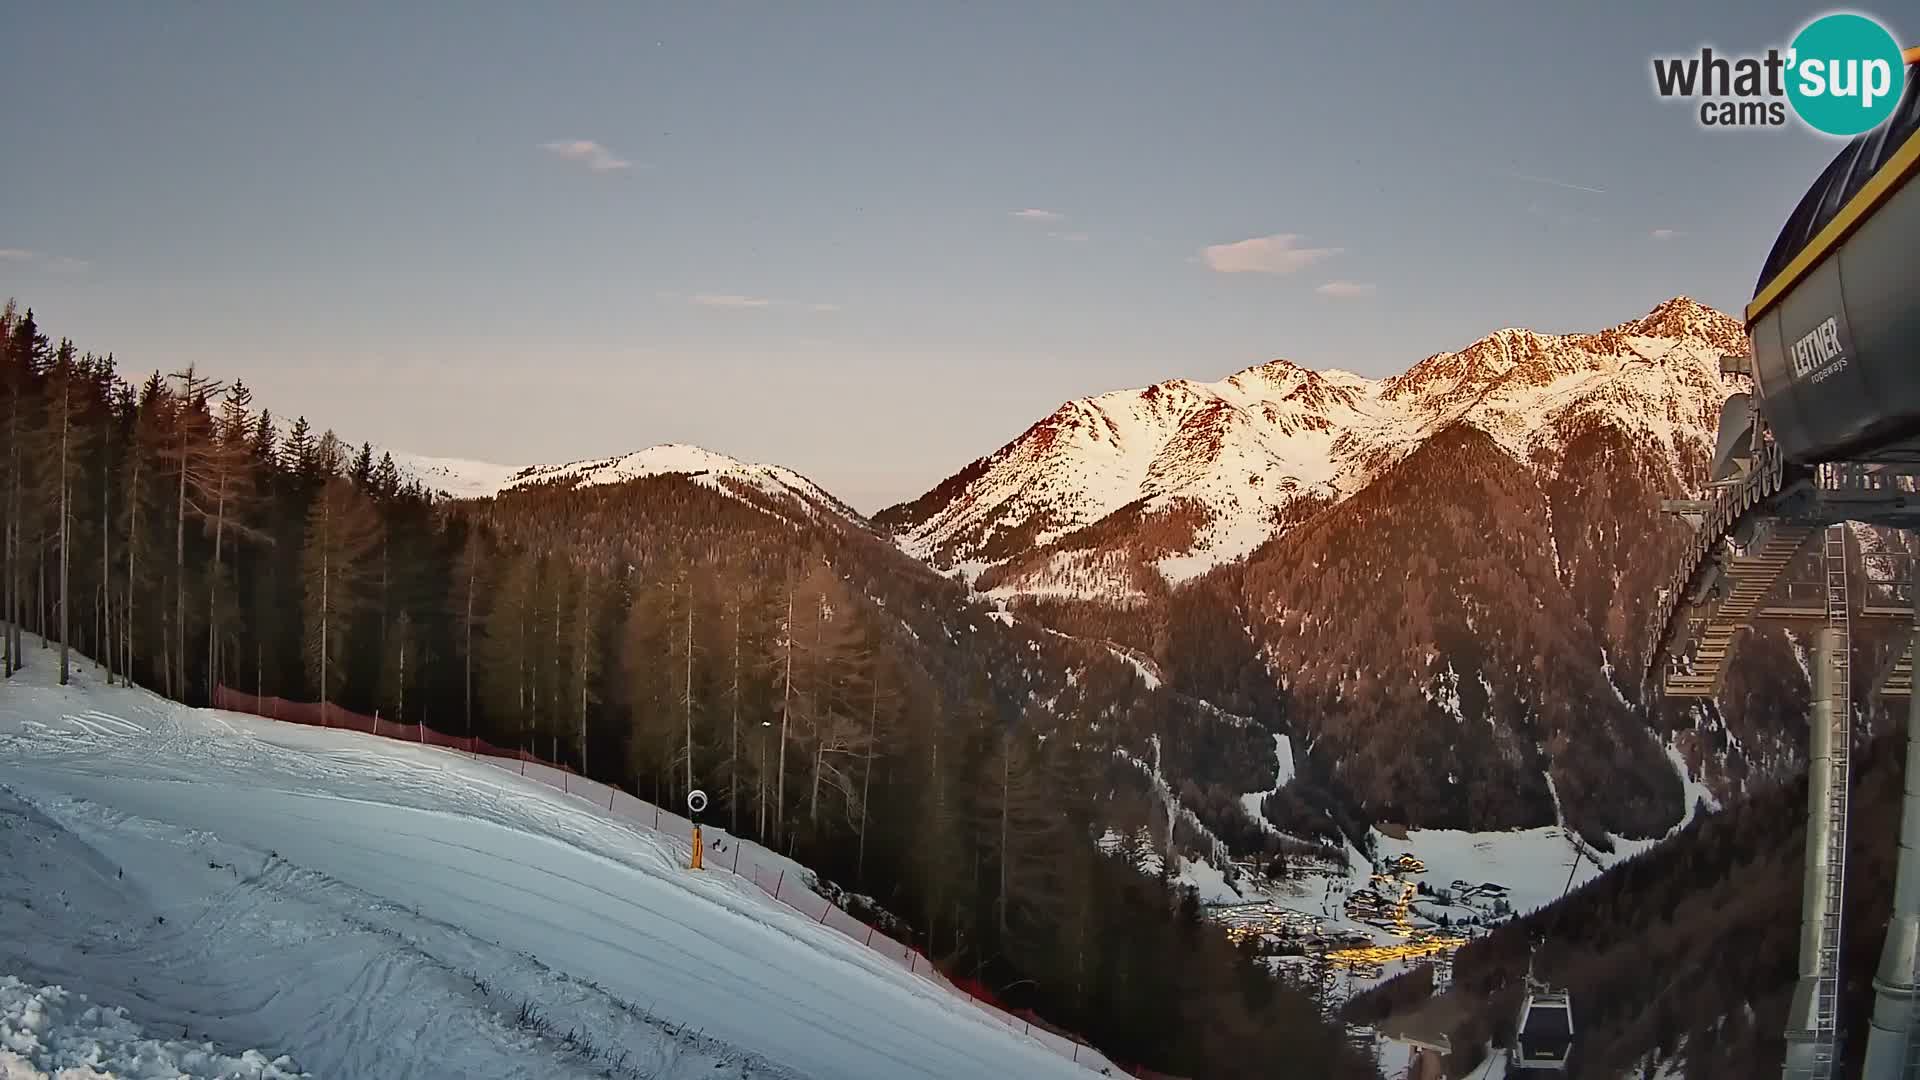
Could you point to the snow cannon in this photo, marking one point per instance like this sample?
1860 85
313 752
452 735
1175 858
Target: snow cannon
696 802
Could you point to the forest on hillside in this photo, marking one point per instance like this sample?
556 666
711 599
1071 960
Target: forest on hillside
837 700
1715 911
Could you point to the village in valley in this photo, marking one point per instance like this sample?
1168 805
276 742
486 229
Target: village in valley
1350 928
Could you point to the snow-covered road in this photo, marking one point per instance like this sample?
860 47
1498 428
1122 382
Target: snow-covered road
372 908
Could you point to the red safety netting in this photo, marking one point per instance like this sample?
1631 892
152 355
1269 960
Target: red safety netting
725 853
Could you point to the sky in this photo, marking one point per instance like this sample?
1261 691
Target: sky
870 241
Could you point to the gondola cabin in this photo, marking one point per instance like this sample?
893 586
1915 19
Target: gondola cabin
1543 1038
1835 317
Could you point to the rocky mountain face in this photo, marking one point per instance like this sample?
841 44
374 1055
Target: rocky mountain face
1119 496
1438 583
1450 571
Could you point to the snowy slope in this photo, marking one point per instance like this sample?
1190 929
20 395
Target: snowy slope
458 477
374 909
1185 476
775 484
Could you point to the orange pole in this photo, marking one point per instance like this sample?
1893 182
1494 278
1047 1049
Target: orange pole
697 847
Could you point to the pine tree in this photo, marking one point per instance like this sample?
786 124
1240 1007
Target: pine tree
361 472
466 576
190 456
230 495
386 478
65 420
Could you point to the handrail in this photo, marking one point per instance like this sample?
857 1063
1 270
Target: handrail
1728 505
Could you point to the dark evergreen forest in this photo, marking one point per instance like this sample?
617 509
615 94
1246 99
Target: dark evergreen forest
837 700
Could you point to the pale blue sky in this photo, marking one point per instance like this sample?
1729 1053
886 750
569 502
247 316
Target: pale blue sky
365 210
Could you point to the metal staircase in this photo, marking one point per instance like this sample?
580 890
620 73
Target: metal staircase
1839 620
1898 681
1752 577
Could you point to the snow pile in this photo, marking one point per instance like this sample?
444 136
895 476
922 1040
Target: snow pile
47 1032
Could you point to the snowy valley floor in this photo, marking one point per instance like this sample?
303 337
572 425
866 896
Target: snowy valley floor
369 909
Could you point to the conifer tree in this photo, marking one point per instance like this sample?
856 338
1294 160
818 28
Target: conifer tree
342 530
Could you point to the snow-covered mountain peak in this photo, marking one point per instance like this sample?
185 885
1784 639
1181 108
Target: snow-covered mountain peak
1685 319
1194 474
466 479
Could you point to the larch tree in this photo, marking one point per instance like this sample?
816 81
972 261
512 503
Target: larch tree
229 494
343 529
393 668
787 634
190 455
836 671
586 654
466 576
65 420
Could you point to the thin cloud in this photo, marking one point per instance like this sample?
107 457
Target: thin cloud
65 265
1073 237
743 302
1276 254
1346 290
1031 214
1665 234
1551 182
590 153
15 255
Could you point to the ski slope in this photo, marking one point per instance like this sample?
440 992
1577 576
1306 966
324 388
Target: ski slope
375 909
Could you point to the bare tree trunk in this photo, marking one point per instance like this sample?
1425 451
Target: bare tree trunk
586 645
472 570
866 780
1006 769
786 712
103 633
66 536
733 751
326 558
180 569
6 596
133 532
689 685
213 583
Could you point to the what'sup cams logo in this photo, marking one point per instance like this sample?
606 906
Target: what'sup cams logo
1842 75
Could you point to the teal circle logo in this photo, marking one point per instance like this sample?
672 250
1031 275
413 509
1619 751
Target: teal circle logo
1844 74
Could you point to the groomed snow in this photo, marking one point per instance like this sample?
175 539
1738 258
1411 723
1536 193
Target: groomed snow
48 1032
375 909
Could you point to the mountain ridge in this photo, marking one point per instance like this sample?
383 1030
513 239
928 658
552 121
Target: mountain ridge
1222 462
